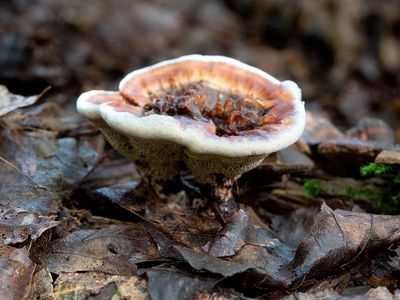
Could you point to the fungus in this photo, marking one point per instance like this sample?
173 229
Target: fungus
213 115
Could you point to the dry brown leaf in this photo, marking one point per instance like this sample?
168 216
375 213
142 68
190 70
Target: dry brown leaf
16 273
81 286
112 250
10 101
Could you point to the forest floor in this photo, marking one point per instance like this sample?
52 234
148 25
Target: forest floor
318 220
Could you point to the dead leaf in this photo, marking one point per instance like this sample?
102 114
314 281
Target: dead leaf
204 261
232 237
263 268
45 117
53 165
268 266
380 293
394 258
122 192
113 171
37 171
112 250
165 243
239 230
221 294
42 285
382 268
16 273
17 225
292 227
339 237
10 101
173 284
97 285
179 223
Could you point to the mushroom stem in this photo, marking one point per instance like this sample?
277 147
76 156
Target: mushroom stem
221 200
210 115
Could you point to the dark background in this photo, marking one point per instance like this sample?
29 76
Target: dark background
345 55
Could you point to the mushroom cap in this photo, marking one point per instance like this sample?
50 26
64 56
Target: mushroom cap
122 111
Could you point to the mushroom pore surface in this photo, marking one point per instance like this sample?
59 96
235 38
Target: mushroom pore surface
232 114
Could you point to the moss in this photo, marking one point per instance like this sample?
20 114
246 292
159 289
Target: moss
352 192
385 192
312 187
374 169
388 204
396 179
388 201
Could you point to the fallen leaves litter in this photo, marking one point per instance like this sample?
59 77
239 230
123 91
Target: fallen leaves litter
170 285
337 238
38 169
17 225
232 237
184 253
77 220
10 101
80 286
203 261
16 272
114 250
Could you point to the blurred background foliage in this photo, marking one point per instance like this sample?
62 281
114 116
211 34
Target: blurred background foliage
345 55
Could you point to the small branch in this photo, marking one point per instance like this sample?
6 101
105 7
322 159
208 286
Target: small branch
11 165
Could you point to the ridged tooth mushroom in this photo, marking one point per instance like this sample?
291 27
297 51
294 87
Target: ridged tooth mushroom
215 115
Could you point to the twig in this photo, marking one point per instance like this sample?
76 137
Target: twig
11 165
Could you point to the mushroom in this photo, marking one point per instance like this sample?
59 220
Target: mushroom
213 115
